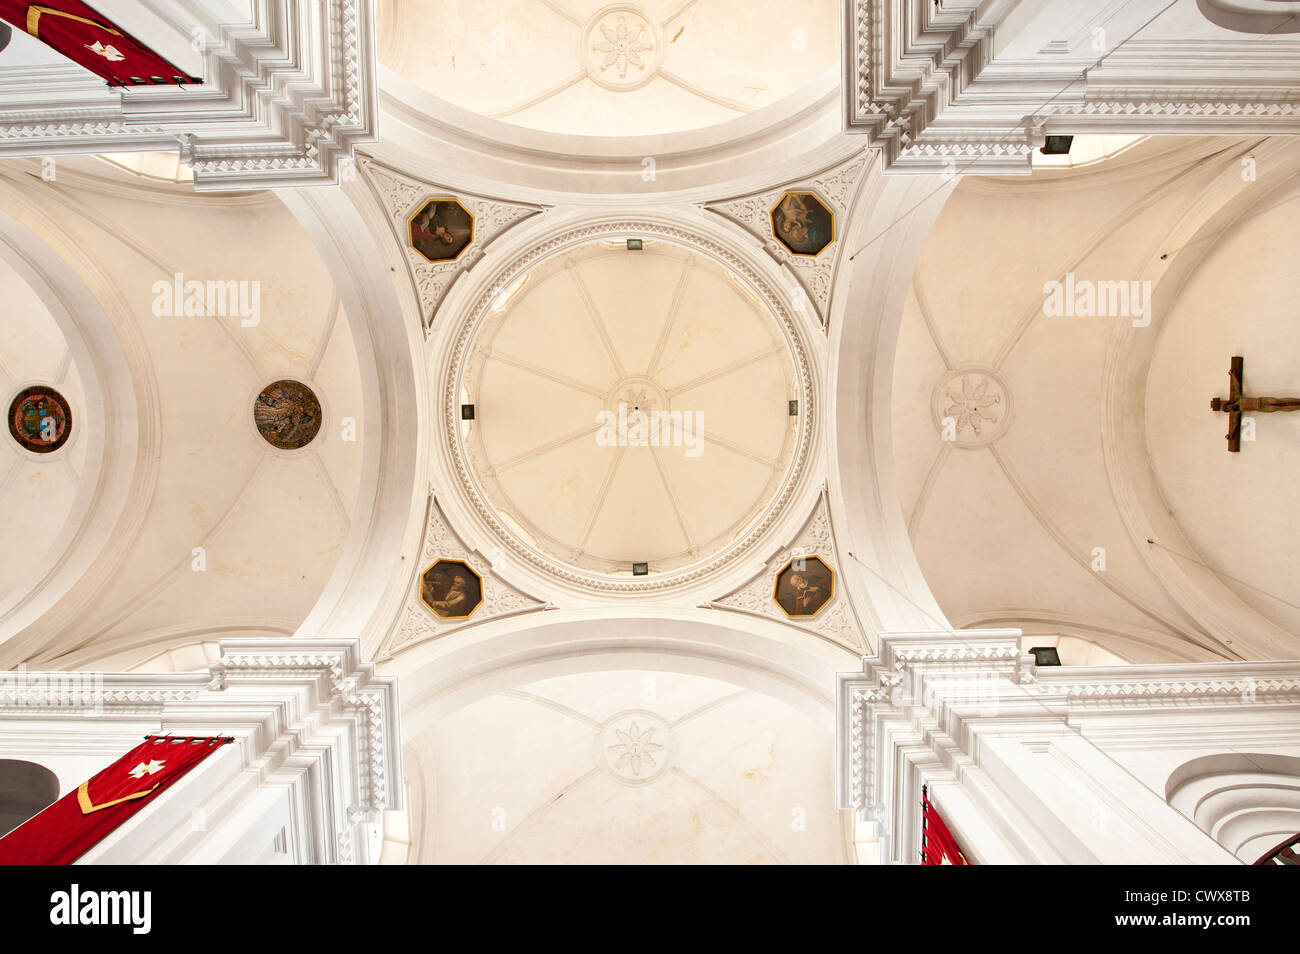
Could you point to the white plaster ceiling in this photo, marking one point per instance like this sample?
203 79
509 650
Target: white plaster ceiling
662 329
545 773
1005 523
1241 511
37 490
664 65
271 524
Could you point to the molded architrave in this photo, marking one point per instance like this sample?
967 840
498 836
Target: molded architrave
787 140
928 89
313 725
284 100
889 222
442 675
961 710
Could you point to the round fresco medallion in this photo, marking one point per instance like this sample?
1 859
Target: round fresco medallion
40 419
287 414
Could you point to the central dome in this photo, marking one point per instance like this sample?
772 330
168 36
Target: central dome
631 406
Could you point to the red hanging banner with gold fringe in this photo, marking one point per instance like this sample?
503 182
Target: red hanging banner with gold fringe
938 846
92 41
81 819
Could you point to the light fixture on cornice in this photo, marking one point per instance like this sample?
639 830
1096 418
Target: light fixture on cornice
1045 655
1057 146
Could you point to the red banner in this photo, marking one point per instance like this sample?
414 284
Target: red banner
80 820
938 846
92 41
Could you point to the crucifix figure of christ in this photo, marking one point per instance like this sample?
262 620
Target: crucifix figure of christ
1237 404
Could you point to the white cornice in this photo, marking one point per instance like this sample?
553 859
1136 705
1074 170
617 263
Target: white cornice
925 699
284 98
928 89
309 716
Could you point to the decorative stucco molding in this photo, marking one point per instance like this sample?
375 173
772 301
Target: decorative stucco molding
698 237
919 709
402 196
285 98
311 719
348 683
417 623
837 621
836 187
926 86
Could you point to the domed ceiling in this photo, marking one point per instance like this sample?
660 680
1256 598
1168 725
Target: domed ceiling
622 69
630 407
37 487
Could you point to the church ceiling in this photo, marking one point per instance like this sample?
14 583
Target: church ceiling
1020 497
625 69
250 429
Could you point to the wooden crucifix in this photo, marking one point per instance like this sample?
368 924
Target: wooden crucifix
1238 403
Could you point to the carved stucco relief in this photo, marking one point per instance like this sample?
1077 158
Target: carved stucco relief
402 196
417 622
836 187
837 621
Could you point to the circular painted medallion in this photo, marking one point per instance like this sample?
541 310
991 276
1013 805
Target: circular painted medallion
40 419
287 414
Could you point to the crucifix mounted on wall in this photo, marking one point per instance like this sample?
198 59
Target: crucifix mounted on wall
1237 403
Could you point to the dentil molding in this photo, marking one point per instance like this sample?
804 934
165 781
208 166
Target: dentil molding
309 716
285 98
919 708
925 84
